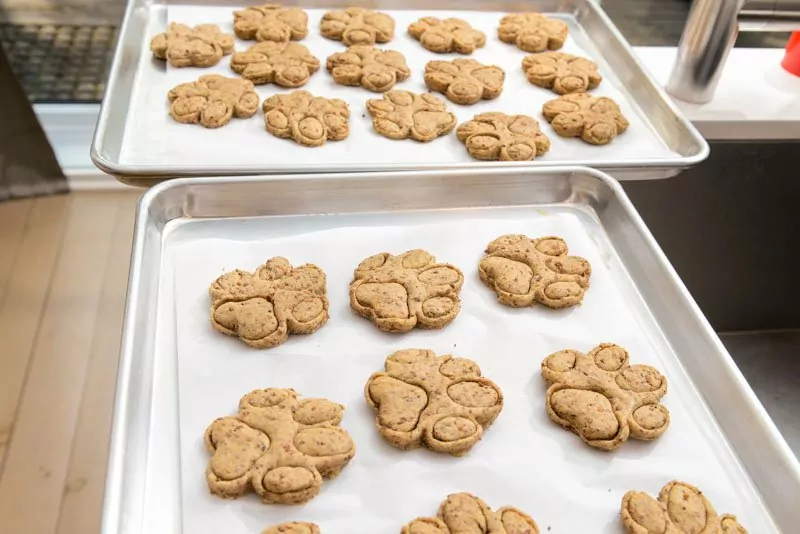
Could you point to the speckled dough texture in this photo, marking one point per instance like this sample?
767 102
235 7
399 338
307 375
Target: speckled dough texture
497 136
562 73
277 445
369 67
596 120
212 101
307 119
525 271
356 25
398 293
532 32
183 46
464 81
406 115
270 22
284 64
447 35
441 403
264 307
680 509
295 527
464 513
602 398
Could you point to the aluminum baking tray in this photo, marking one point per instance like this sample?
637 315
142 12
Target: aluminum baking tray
140 144
190 230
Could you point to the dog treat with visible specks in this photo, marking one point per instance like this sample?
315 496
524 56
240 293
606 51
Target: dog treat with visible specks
596 120
464 81
447 35
294 527
270 22
212 101
524 271
183 46
497 136
357 26
562 73
441 403
602 398
680 509
398 293
284 64
403 115
532 32
307 119
464 513
264 307
277 445
373 69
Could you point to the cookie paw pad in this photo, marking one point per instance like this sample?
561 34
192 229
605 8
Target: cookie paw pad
467 514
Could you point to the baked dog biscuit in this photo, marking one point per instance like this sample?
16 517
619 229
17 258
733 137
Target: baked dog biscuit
307 119
264 307
403 115
442 403
497 136
295 527
532 32
398 293
270 22
464 513
680 509
464 81
212 100
560 72
447 35
603 399
201 46
277 445
373 69
357 26
524 271
596 120
284 64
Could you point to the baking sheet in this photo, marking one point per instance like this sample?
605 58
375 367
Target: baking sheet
153 138
524 459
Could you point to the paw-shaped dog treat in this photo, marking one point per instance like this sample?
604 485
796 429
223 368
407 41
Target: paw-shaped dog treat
603 399
284 64
442 403
563 73
464 513
264 307
270 22
596 120
307 119
497 136
201 46
294 527
212 100
524 271
532 32
447 35
357 26
464 81
403 115
680 509
373 69
278 445
398 293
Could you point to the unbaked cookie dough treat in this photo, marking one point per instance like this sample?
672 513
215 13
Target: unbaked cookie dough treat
278 445
264 307
357 26
447 35
497 136
680 509
270 22
464 513
404 115
398 293
306 119
441 403
532 32
603 399
366 66
183 46
524 271
562 73
284 64
212 100
596 120
464 81
294 527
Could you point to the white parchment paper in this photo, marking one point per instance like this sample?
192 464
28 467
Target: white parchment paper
524 459
152 137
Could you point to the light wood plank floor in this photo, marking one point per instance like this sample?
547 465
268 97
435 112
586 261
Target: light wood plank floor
63 277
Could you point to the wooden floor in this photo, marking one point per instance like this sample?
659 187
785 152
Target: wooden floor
63 276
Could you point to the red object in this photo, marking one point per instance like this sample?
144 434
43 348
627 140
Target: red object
791 61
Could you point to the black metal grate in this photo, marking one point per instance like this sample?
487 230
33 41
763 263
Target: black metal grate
60 63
